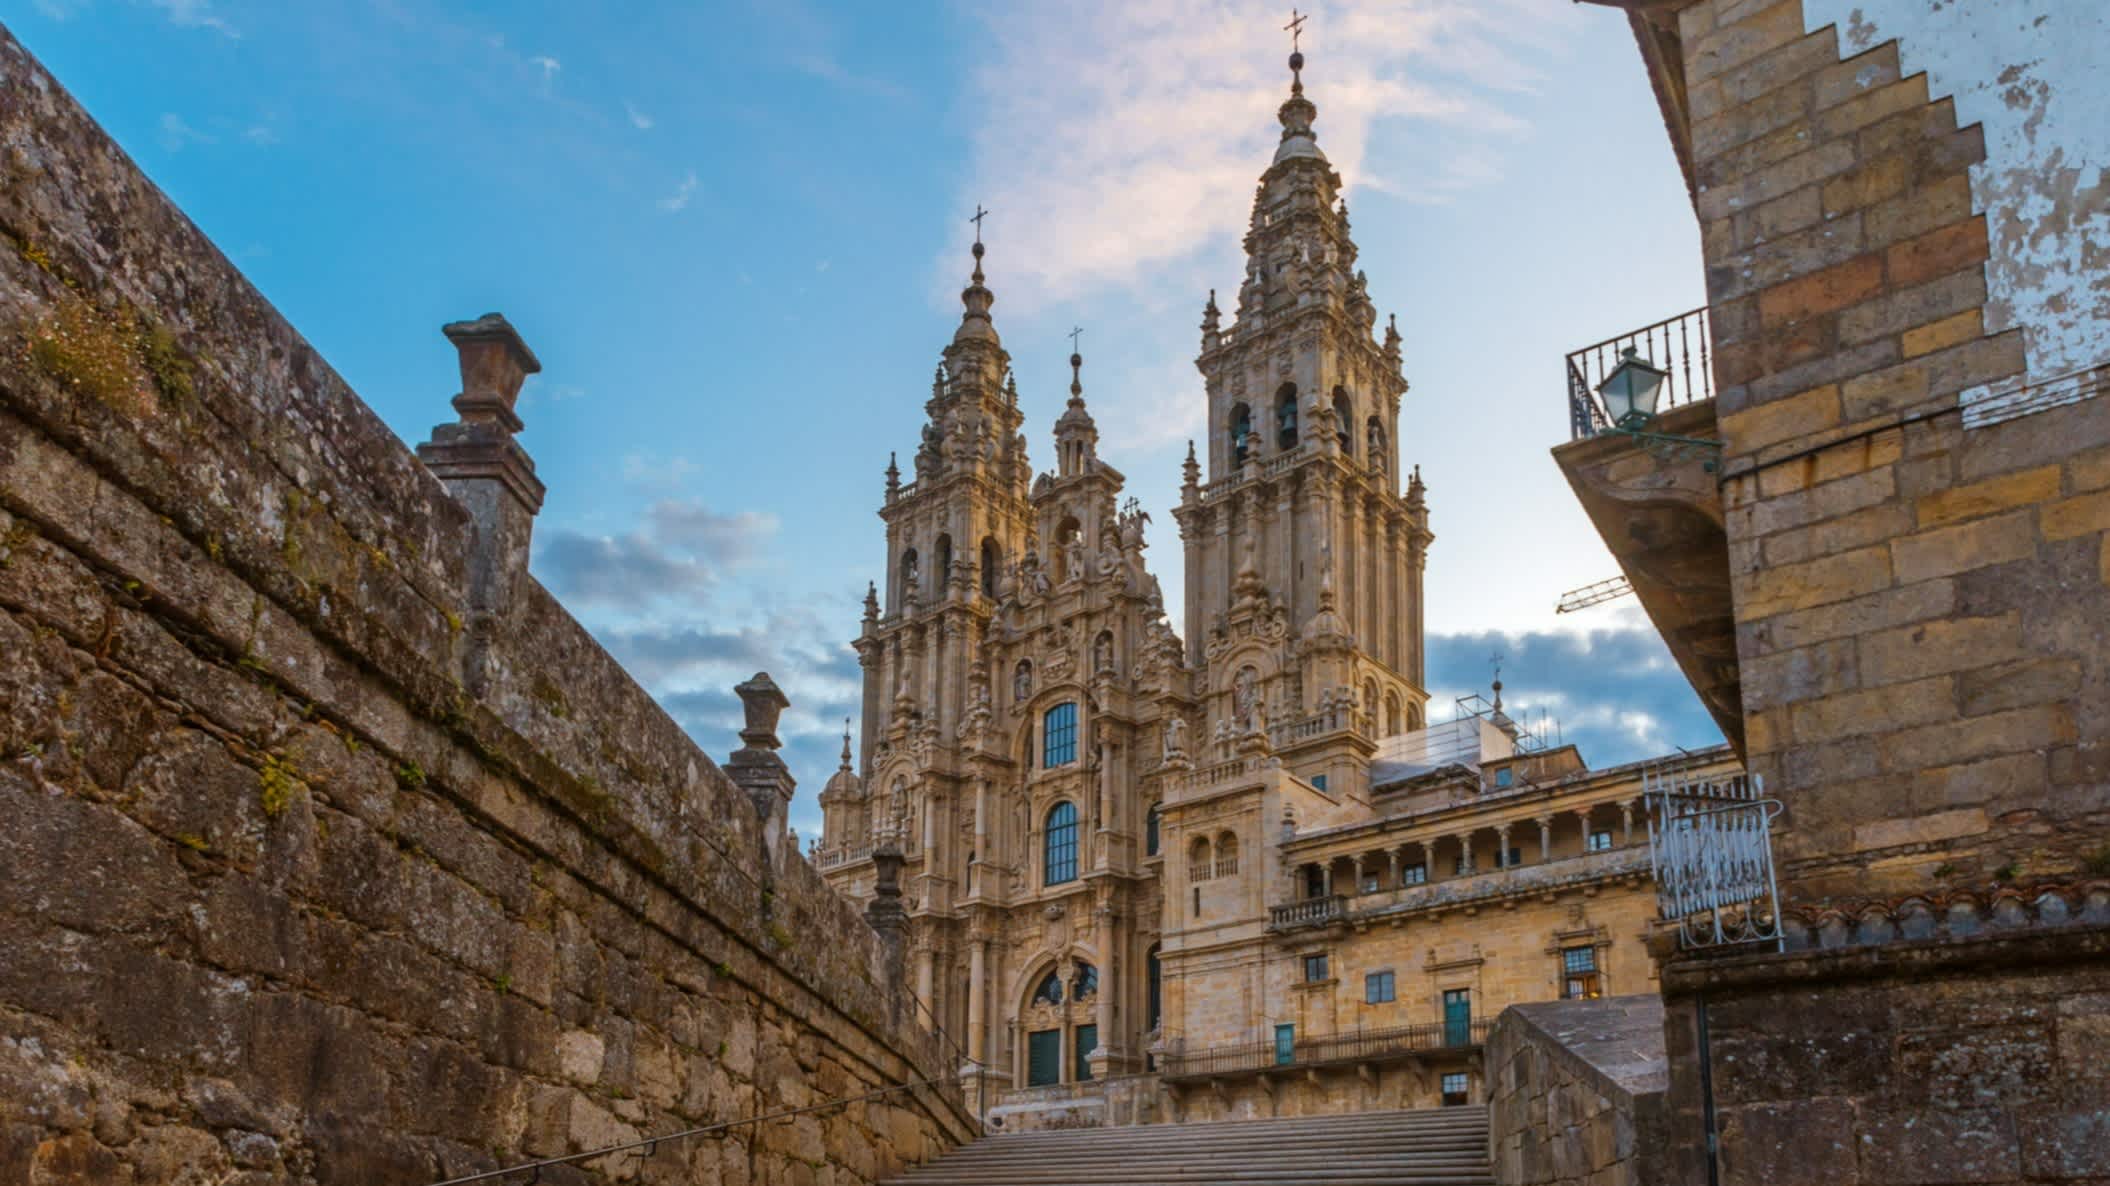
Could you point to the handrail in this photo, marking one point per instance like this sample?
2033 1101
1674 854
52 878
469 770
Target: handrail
1682 346
651 1144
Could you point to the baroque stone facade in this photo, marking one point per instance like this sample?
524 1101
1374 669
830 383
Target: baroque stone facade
1137 860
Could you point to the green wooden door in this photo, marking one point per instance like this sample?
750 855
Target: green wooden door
1043 1058
1087 1041
1457 1017
1285 1045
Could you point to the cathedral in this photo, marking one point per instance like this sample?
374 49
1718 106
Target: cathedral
1143 865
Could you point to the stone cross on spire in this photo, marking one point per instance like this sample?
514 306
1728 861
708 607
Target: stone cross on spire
1295 27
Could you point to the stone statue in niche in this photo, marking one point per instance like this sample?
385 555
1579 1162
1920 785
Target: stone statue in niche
1175 738
1022 682
1103 653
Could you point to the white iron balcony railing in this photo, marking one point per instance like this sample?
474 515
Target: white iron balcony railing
1711 849
1682 346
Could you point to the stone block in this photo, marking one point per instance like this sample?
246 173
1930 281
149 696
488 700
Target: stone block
1913 211
1802 1143
1978 499
1736 43
1876 710
1822 581
1980 543
1902 308
1915 1146
1857 75
1926 829
1851 115
2016 730
1824 291
1942 334
2083 514
1938 647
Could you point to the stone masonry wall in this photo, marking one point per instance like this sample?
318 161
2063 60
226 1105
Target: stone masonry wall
1575 1092
1920 604
316 866
1975 1059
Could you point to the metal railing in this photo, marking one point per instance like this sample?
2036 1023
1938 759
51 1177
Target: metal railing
1350 1047
1682 346
1710 846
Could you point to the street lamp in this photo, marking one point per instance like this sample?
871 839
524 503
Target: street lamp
1630 391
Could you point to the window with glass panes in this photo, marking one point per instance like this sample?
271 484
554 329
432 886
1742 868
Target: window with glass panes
1378 988
1058 735
1415 874
1579 974
1457 1089
1600 842
1315 967
1060 844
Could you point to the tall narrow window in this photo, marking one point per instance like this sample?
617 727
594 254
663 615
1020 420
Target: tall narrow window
1060 844
1344 421
1286 417
1580 979
992 562
1058 732
944 559
1314 882
1157 990
1241 433
1150 832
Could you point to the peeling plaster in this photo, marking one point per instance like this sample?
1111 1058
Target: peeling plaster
2036 75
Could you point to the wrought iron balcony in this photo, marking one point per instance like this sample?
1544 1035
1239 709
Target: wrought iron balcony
1683 346
1313 912
1343 1049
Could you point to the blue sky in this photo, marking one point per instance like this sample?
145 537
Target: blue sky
735 234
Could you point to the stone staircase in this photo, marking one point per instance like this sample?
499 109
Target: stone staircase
1431 1147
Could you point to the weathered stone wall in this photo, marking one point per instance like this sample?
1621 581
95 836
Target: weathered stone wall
1920 585
1979 1053
1575 1092
281 898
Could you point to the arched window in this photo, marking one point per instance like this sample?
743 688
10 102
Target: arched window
1049 991
944 558
1199 866
992 561
1394 722
1344 421
1058 735
1150 831
1286 417
910 574
1226 855
1059 846
1155 1009
1241 432
1087 982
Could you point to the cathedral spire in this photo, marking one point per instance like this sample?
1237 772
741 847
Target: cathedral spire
1298 112
975 324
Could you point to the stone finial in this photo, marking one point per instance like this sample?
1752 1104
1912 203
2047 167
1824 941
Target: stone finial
885 913
763 703
494 362
755 766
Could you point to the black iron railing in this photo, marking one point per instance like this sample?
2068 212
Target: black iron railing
1349 1047
1682 346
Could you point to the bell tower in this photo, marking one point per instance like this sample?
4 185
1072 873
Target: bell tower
1304 560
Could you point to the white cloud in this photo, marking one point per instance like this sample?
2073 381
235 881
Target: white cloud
638 119
175 133
1118 138
196 14
548 65
679 199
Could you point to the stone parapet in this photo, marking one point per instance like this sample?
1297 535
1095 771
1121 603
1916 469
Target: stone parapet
1575 1092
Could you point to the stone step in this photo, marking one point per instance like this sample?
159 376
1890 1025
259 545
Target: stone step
1430 1147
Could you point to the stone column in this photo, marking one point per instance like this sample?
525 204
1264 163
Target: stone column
1502 847
926 982
1465 853
977 997
981 832
1582 818
884 913
1626 822
490 475
1545 823
1392 866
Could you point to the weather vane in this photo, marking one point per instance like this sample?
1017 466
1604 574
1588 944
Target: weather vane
979 215
1295 27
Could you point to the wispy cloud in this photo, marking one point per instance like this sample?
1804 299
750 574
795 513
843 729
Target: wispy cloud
638 119
176 134
677 555
1613 691
549 67
831 71
679 200
1171 106
196 14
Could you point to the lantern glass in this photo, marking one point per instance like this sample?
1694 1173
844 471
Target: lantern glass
1631 390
